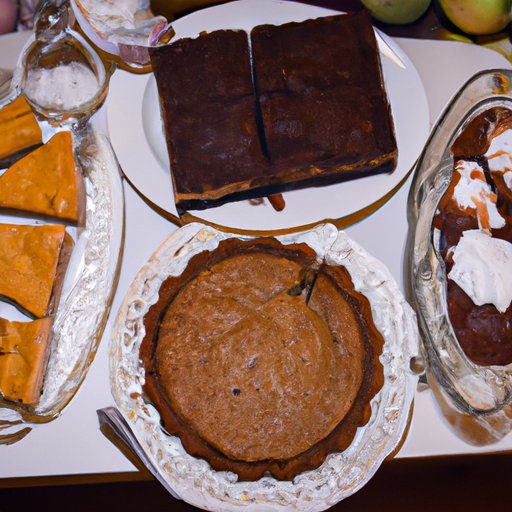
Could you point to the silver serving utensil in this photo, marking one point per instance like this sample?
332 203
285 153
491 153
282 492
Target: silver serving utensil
115 428
388 51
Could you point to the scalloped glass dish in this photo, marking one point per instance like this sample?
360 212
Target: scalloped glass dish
476 400
89 282
65 83
341 474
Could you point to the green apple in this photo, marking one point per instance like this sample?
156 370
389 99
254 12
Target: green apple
478 16
396 11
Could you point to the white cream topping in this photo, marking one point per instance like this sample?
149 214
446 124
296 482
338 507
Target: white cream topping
119 15
472 191
483 269
499 156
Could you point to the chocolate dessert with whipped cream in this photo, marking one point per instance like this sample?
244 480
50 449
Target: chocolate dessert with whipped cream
475 223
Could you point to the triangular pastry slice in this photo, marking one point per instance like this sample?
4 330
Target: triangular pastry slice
23 355
46 182
32 262
19 131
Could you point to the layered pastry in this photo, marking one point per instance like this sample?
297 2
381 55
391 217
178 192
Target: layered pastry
261 359
46 182
310 109
33 262
475 224
23 356
19 131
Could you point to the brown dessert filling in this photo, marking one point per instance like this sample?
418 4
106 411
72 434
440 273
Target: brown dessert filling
483 333
260 359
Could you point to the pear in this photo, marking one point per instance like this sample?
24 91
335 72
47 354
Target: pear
478 17
398 12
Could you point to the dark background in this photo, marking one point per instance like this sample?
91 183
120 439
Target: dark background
468 483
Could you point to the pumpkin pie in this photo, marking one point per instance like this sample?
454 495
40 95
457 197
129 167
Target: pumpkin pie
46 182
32 265
19 131
261 359
23 356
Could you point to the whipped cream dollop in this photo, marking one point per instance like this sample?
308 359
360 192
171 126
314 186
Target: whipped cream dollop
483 269
499 156
473 192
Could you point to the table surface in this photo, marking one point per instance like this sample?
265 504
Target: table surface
73 444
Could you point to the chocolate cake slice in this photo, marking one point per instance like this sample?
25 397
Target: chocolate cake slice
325 111
261 358
207 104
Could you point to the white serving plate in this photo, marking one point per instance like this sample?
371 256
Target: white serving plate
137 134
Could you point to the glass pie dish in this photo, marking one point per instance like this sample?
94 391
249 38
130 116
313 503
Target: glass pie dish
342 474
92 272
475 398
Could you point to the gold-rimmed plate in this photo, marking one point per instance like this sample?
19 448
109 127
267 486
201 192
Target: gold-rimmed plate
137 135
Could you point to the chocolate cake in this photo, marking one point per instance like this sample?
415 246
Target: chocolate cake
320 88
312 110
205 87
261 358
475 224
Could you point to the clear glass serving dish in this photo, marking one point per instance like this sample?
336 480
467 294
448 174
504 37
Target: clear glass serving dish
92 272
122 30
341 474
475 399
